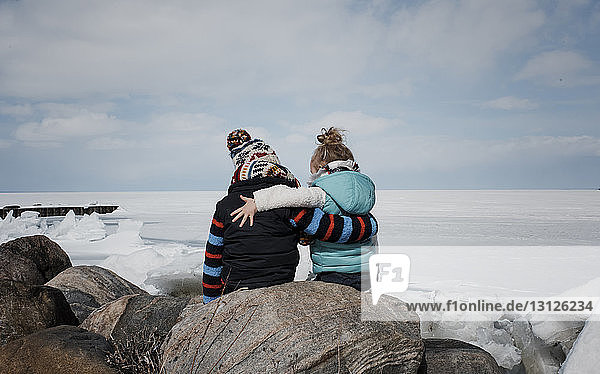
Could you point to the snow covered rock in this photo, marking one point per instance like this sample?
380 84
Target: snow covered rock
26 308
86 288
311 327
62 349
447 356
583 357
32 259
136 319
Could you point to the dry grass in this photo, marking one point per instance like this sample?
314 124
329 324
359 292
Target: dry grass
135 357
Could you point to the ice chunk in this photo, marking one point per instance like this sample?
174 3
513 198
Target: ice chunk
88 227
496 342
556 330
65 226
182 276
481 332
135 266
27 224
536 356
584 357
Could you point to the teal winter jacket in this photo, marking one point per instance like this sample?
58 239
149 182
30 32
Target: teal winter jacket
348 192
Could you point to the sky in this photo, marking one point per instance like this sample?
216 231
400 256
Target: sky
140 95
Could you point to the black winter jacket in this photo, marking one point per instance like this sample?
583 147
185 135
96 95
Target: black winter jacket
263 254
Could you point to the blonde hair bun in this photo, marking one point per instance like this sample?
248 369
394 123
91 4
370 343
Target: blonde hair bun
331 136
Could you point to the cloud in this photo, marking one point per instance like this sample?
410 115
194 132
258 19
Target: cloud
236 48
559 68
447 154
4 143
510 103
55 130
173 130
464 36
153 47
16 111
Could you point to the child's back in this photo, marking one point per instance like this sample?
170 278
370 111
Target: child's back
347 192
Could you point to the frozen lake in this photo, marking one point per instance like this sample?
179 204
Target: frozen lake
163 233
462 245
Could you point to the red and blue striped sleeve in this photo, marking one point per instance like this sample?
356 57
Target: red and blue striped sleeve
212 284
334 228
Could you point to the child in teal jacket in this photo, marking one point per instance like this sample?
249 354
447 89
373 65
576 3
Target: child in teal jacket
337 187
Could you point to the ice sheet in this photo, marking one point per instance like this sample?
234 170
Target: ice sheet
157 236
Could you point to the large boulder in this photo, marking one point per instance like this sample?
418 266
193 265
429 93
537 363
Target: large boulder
137 326
32 259
62 349
135 318
310 327
26 308
448 356
89 287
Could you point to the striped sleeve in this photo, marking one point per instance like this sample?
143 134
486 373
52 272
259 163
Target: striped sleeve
212 284
332 227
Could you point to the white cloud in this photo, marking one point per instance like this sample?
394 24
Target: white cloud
16 111
4 143
446 154
57 130
174 130
559 68
64 123
510 103
234 48
466 36
215 49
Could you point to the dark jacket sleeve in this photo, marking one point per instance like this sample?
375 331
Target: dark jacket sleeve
212 284
332 227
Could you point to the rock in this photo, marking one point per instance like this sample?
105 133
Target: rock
310 327
26 308
32 259
135 318
448 356
62 349
89 287
137 326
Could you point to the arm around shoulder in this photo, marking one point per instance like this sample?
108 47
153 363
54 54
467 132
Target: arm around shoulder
281 196
335 228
